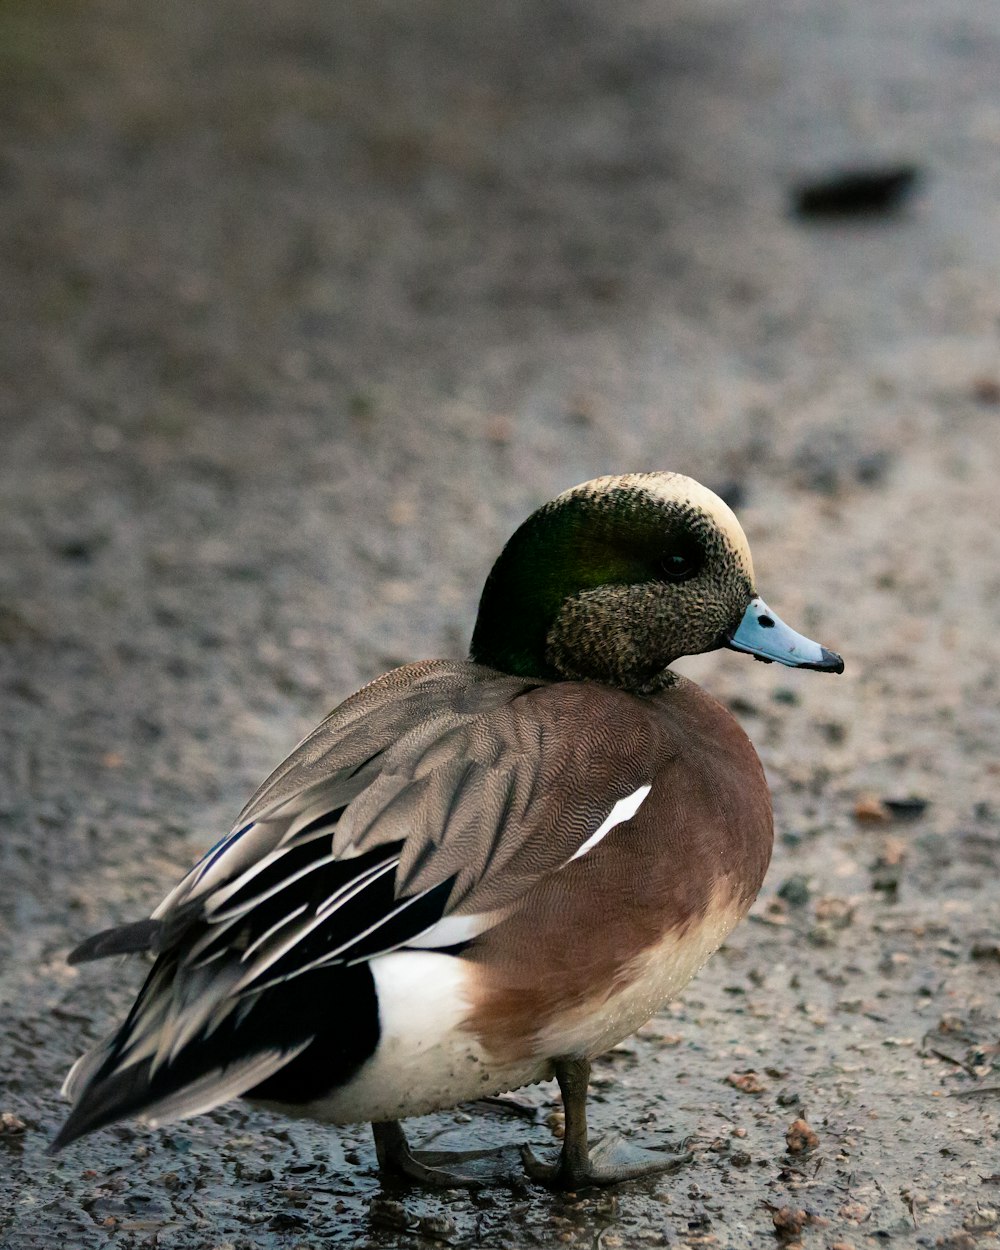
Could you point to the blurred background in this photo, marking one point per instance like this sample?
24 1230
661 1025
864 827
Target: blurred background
304 307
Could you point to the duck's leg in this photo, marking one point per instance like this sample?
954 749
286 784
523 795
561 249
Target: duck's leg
613 1159
446 1169
395 1157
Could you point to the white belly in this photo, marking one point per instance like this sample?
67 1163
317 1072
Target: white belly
427 1059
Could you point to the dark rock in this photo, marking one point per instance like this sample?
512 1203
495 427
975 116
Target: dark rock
907 809
857 192
795 890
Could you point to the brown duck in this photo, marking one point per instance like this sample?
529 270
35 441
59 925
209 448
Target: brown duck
476 875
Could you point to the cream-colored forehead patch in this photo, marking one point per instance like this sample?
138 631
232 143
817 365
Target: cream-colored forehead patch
675 488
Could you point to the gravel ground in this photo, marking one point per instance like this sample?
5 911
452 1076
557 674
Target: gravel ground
304 307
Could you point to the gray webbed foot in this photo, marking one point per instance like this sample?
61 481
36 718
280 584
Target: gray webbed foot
445 1169
612 1160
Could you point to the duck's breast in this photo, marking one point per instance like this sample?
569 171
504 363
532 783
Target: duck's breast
599 946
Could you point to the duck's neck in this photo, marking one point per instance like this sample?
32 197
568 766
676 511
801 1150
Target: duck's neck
520 600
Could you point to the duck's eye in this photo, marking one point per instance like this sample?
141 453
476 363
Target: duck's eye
680 563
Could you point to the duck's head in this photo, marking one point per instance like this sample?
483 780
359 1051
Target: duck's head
618 577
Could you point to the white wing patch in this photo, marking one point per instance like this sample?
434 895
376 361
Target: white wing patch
623 810
451 930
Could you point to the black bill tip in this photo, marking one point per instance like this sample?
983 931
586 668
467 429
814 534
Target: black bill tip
830 662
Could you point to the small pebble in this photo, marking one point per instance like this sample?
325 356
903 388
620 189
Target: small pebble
870 810
893 853
440 1227
387 1213
555 1122
747 1082
800 1137
795 890
789 1222
834 911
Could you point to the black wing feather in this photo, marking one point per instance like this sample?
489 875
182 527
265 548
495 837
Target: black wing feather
126 939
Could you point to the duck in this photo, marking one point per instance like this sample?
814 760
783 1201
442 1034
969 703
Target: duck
476 875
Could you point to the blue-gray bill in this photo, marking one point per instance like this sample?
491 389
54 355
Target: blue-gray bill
766 637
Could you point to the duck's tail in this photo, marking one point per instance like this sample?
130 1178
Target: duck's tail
189 1045
116 1094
